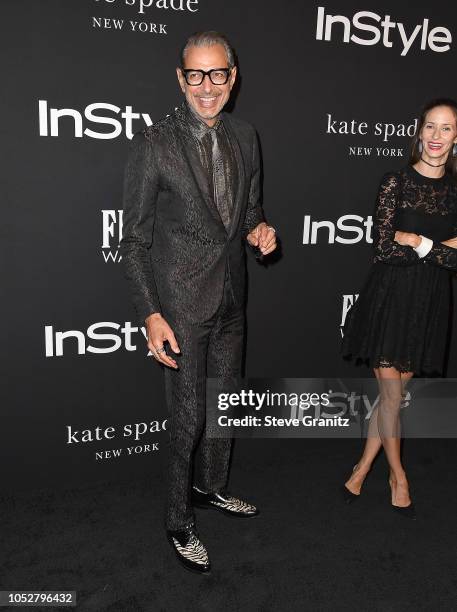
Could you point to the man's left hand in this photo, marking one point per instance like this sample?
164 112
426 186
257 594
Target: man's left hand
264 237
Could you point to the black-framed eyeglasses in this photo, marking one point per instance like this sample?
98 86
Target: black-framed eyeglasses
217 76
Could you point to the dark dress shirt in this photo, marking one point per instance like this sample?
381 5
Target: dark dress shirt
218 160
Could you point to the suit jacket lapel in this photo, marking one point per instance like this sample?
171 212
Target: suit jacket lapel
197 170
199 174
238 199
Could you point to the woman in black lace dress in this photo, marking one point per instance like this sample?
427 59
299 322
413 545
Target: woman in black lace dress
399 325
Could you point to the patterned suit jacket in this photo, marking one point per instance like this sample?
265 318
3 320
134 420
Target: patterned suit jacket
175 248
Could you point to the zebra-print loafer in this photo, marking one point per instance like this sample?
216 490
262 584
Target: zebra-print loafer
189 549
223 502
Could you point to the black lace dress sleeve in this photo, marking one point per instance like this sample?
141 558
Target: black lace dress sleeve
386 249
443 255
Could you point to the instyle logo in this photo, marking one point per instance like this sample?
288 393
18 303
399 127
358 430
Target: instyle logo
112 235
348 302
107 337
98 113
347 229
331 27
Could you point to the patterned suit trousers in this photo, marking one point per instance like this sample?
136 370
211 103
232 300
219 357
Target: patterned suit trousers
212 349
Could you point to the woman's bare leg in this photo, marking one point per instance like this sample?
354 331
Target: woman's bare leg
374 442
392 385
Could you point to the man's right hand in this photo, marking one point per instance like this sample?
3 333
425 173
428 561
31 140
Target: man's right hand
158 331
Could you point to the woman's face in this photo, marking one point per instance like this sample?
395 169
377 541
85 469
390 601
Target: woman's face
439 133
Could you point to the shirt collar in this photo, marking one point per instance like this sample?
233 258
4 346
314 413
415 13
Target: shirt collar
197 126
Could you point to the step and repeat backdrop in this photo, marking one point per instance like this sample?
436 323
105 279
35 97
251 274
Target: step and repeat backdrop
334 91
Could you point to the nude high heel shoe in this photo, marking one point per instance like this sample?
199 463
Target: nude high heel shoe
348 496
408 512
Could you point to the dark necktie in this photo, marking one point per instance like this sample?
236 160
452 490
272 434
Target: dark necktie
219 182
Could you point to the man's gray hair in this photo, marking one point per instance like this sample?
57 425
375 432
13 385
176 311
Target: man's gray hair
207 39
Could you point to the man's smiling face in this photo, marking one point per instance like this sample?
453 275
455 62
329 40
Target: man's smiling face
206 99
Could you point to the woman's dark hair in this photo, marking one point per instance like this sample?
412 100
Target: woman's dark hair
451 162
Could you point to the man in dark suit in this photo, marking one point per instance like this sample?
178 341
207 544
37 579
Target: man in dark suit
191 200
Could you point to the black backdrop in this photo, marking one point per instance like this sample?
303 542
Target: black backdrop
60 260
